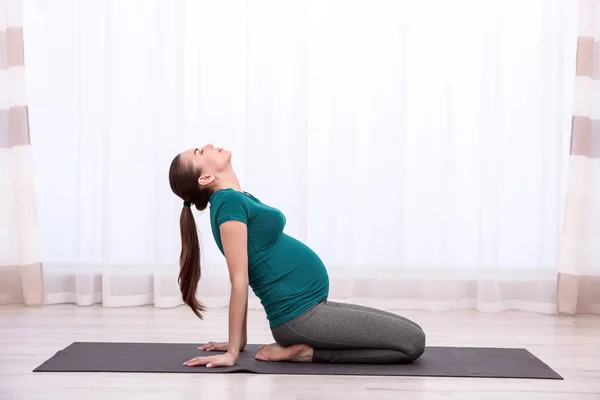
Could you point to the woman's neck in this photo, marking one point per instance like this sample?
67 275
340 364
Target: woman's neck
227 179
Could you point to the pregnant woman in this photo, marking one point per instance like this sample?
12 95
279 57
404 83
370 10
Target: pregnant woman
286 275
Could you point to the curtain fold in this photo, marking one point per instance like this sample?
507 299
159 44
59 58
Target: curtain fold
579 257
418 146
21 277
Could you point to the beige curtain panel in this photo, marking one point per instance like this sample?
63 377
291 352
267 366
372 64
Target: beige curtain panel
20 248
579 255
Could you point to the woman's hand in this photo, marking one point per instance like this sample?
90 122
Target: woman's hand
222 360
214 346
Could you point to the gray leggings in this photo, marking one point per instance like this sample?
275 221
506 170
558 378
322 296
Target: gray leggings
347 333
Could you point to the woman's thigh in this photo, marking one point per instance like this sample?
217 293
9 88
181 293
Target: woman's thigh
331 326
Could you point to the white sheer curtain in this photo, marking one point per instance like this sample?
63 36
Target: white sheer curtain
420 147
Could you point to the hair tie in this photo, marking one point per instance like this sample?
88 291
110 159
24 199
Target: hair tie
187 204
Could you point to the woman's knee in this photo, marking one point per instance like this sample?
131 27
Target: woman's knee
416 347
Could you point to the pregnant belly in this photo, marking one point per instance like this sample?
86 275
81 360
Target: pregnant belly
289 265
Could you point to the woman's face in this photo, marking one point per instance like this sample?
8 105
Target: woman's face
209 159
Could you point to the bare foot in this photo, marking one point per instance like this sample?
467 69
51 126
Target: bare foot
295 352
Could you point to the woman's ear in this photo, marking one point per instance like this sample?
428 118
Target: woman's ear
206 180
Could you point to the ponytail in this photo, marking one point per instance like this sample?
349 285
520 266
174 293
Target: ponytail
183 179
189 261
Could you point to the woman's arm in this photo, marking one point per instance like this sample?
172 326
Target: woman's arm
224 346
245 325
234 236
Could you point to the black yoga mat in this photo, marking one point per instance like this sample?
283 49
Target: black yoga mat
168 357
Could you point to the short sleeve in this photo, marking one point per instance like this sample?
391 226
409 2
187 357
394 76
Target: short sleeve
232 206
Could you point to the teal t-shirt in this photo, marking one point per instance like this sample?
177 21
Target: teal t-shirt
285 274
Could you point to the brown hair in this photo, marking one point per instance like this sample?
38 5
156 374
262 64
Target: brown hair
183 178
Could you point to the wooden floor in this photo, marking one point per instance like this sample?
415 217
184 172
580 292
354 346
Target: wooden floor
28 336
